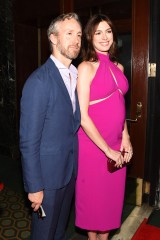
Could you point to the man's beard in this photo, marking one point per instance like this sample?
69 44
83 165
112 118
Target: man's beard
69 53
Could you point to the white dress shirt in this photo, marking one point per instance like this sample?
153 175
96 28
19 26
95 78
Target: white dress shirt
69 76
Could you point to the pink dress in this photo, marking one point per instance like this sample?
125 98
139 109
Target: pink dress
100 194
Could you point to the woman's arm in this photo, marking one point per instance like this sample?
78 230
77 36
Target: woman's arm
126 144
86 71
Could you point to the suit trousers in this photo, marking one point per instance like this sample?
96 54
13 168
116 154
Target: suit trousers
56 204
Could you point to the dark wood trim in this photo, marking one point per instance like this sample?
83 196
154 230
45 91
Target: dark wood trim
139 88
66 6
123 25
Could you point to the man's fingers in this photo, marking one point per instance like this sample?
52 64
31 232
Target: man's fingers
35 206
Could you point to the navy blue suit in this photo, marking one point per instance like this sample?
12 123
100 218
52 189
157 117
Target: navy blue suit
48 143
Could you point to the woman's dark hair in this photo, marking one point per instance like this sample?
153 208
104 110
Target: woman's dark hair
88 51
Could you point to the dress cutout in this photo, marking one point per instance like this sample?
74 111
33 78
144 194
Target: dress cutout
99 193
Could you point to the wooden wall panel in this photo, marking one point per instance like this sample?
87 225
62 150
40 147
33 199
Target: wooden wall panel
139 88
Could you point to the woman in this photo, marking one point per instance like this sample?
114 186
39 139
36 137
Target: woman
103 133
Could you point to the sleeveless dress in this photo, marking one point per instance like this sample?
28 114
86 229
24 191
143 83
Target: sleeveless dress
99 193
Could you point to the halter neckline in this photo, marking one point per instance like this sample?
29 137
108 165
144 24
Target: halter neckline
102 56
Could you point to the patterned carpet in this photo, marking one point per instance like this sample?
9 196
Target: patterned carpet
14 216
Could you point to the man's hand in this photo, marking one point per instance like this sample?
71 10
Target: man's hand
36 199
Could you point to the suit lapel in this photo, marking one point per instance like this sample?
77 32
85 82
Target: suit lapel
54 73
77 116
57 77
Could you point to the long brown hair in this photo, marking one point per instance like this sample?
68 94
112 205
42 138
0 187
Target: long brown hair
88 51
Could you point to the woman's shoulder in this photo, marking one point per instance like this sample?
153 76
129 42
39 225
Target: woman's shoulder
85 64
87 68
120 66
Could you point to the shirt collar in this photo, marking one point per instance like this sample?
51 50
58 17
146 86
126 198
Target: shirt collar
60 66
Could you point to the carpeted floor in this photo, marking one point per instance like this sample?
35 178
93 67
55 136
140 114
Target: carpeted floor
15 218
147 232
15 213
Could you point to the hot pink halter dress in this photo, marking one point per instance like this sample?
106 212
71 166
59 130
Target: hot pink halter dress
99 193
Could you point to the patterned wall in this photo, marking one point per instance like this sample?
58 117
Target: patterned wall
7 80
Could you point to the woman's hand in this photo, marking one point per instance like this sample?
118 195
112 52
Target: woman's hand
115 156
126 147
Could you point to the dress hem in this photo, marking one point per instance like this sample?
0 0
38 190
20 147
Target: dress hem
98 229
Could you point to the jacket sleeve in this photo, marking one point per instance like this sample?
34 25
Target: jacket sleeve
34 103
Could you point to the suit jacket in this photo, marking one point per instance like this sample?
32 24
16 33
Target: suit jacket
48 130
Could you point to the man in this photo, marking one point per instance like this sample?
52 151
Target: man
50 118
